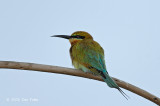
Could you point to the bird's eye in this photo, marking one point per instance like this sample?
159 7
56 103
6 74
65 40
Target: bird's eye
78 36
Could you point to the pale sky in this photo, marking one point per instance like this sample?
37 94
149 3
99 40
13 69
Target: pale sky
128 30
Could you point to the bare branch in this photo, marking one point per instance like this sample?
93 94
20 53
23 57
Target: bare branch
74 72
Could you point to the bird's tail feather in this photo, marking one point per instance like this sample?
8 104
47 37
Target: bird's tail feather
110 82
124 94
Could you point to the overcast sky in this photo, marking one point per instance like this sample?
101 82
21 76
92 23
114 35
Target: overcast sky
128 30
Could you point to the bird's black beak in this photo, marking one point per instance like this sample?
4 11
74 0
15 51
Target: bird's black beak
62 36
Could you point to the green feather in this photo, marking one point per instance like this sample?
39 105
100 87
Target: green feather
88 56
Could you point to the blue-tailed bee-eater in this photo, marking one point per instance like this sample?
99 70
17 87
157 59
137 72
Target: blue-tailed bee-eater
88 56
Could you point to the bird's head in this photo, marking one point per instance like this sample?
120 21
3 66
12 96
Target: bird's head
75 37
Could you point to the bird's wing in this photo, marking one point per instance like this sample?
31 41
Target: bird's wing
91 55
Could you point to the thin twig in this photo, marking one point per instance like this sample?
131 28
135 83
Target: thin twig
74 72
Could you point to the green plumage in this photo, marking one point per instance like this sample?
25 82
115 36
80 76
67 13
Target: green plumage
88 55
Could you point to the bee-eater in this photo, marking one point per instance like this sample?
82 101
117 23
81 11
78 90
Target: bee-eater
88 56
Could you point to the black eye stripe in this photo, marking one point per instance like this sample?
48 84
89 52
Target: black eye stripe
78 37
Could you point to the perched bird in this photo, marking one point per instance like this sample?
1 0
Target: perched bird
88 56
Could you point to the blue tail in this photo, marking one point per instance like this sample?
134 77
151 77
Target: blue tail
110 82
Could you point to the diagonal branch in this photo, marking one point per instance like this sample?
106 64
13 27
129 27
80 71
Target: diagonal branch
74 72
